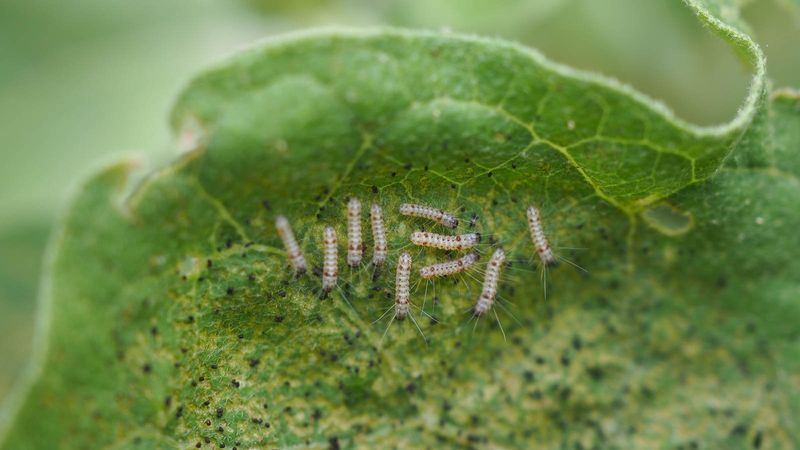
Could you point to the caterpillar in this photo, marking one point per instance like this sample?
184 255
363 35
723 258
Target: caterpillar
445 242
429 212
378 236
539 239
330 266
296 258
353 232
402 290
490 280
448 267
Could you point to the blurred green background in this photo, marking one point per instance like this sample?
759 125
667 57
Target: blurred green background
85 81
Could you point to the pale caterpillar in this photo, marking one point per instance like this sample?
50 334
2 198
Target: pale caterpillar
429 212
296 258
445 242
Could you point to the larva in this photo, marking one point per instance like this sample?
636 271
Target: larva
330 259
449 267
378 235
429 212
402 290
539 239
353 232
296 258
490 280
445 242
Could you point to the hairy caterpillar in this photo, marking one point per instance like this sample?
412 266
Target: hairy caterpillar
539 239
445 242
429 212
402 289
378 236
449 267
353 232
330 263
296 258
490 280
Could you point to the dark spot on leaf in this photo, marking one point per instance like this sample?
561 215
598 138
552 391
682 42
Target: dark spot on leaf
596 373
529 376
577 344
757 439
333 443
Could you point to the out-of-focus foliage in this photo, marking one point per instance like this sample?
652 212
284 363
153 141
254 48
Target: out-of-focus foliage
68 74
20 251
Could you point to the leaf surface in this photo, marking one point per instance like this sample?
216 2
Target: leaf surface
174 322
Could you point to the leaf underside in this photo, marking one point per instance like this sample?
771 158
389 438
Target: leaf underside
175 321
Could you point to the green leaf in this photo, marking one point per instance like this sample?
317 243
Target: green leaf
174 322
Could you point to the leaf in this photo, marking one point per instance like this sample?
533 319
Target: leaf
173 321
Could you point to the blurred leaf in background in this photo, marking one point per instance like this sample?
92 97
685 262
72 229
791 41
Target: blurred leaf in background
78 81
81 80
